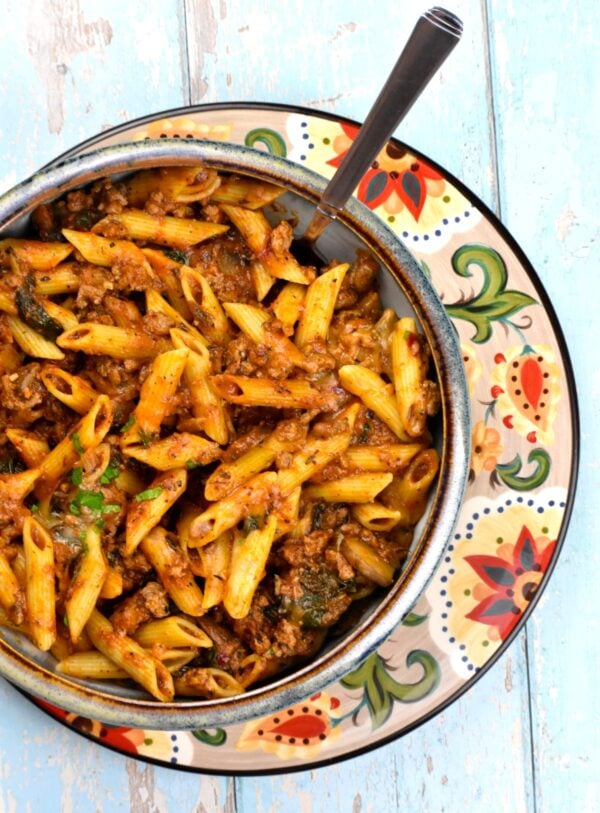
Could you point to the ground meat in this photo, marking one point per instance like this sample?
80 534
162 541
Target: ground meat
149 602
28 399
297 551
359 279
226 265
134 569
229 651
371 431
94 283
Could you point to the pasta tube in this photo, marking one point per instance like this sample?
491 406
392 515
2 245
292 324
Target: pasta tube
355 488
86 584
375 394
173 632
148 507
40 593
173 571
248 561
177 450
319 305
107 340
129 655
156 397
177 232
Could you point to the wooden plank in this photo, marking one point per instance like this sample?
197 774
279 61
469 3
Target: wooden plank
474 756
546 87
335 56
72 69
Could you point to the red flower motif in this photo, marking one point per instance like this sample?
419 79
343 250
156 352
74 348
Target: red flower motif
514 582
389 174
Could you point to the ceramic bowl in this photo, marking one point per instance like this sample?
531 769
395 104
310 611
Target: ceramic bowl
404 287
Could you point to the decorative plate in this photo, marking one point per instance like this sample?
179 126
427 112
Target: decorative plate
523 464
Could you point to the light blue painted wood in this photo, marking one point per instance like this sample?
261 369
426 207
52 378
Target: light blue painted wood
547 103
127 59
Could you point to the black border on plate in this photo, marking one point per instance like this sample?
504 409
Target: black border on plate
575 428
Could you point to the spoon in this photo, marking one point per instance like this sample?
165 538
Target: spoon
434 36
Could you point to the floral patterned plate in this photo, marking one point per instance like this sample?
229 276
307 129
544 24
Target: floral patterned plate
522 480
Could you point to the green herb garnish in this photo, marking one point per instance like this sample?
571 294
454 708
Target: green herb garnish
176 255
128 424
149 494
251 523
110 473
191 464
77 476
93 501
77 442
145 438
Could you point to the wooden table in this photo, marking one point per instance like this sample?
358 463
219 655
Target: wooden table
514 114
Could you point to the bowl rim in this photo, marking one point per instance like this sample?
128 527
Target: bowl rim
73 172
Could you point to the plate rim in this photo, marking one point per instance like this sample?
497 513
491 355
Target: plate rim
574 421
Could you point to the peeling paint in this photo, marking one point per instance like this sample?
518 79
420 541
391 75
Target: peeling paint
54 44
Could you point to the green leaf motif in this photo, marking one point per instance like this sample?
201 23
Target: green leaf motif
380 689
218 738
268 138
509 473
493 303
413 620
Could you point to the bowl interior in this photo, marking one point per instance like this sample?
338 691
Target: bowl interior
403 287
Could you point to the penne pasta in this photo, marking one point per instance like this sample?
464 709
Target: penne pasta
377 517
86 583
255 323
289 304
175 232
180 184
287 394
35 254
355 488
367 561
31 448
247 192
12 598
409 375
375 394
204 305
173 632
319 305
173 570
207 405
215 558
222 515
71 389
106 252
156 397
63 279
147 508
31 342
248 560
177 450
169 272
89 433
381 458
263 281
107 340
270 246
207 682
129 655
94 665
40 592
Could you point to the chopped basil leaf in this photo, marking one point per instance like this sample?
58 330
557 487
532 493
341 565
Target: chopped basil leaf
176 255
93 501
110 473
77 476
149 494
191 464
34 507
66 620
84 548
77 443
129 424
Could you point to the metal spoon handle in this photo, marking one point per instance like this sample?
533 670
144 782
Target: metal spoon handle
434 36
